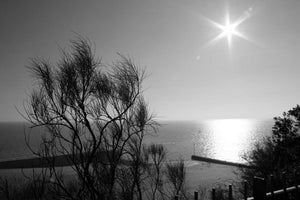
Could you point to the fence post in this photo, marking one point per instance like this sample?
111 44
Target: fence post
259 188
296 174
213 193
272 186
196 195
230 192
6 189
102 196
284 186
176 197
245 190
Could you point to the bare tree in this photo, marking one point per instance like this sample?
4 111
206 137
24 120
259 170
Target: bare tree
92 114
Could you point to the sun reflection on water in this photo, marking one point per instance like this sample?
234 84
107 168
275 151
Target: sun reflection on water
229 138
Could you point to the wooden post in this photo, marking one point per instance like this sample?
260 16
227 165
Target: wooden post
230 192
284 186
196 195
259 188
102 196
245 190
296 184
213 193
272 186
176 197
6 189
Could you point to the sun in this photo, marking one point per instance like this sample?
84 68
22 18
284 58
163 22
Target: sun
230 29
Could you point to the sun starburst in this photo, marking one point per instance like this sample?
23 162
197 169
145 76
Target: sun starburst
229 29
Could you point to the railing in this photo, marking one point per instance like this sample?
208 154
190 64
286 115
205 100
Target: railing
259 191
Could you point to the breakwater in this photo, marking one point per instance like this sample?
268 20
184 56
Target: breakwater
222 162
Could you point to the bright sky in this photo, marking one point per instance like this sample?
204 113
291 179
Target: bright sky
194 72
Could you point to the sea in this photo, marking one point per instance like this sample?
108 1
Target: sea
224 139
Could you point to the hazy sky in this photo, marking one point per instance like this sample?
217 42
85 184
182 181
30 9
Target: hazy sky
190 77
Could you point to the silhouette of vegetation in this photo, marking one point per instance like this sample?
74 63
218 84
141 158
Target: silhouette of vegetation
279 154
176 175
95 116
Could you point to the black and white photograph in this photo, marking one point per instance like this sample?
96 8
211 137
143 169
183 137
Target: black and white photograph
150 100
